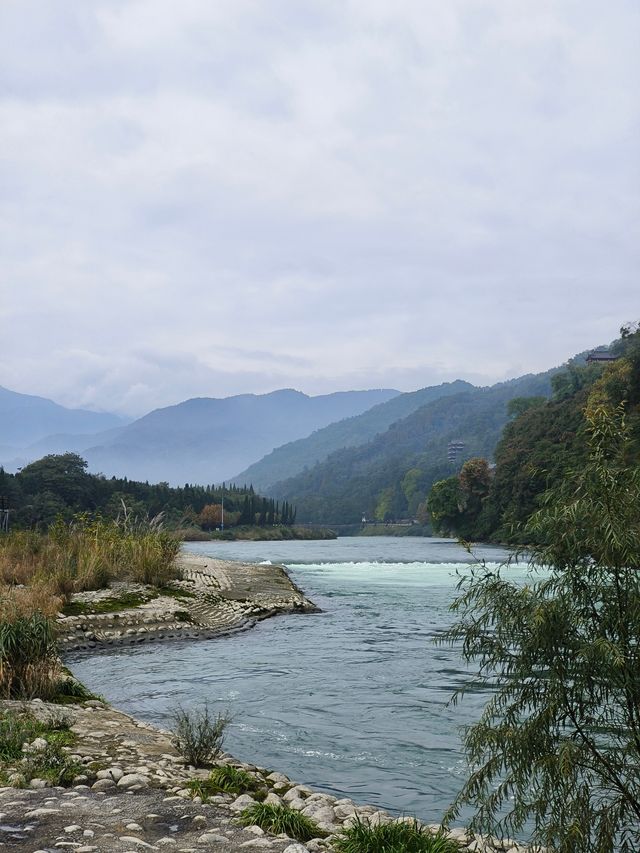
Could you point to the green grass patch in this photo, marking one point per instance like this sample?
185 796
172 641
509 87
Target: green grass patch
176 592
226 780
281 819
51 762
392 838
126 601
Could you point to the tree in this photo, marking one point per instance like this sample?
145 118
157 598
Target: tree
558 744
444 504
210 516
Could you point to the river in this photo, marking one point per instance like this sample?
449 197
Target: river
354 700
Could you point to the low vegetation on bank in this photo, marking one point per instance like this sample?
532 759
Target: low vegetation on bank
39 572
33 749
407 837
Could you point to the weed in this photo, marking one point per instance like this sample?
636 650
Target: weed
281 819
392 838
28 660
198 735
225 780
50 762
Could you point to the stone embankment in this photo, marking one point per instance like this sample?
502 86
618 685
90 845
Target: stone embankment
213 598
132 796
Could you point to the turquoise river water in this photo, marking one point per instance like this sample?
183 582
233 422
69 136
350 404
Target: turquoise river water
353 700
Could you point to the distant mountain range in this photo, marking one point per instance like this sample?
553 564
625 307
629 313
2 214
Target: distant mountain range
335 456
203 440
25 420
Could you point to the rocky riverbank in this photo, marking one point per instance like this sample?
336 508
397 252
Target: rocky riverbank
131 791
131 794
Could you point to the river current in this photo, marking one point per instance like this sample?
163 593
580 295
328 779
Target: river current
354 700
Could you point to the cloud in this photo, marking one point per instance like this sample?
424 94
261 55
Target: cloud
206 198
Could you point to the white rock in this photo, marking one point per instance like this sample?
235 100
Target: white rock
344 810
134 827
296 848
131 780
242 802
114 773
103 785
254 830
40 813
72 828
131 839
278 777
273 799
212 838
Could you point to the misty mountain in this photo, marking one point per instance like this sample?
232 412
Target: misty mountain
390 475
26 419
207 440
290 459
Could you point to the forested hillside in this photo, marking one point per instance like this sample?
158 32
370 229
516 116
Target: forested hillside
544 440
292 458
391 475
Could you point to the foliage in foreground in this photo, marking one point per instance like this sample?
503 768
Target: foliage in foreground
198 735
28 660
49 761
558 745
226 780
281 819
392 838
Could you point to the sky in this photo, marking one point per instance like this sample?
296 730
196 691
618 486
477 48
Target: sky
204 198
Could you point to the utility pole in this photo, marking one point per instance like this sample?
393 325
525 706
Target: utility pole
4 515
222 513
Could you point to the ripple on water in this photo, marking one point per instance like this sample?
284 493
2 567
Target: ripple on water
354 700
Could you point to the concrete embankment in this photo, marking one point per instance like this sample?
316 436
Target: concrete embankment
214 597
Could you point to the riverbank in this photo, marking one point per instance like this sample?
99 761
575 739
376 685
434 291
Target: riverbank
260 534
213 598
152 808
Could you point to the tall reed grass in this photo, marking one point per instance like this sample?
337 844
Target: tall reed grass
29 665
87 554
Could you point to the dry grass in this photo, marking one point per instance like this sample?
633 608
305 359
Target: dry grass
88 554
29 665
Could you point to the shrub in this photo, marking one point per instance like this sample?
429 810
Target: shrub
392 838
198 735
225 780
281 819
51 762
557 747
28 661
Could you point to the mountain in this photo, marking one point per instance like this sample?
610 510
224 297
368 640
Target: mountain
25 419
292 458
206 440
389 476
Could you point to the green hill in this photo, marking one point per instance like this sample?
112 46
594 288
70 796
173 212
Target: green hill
292 458
390 476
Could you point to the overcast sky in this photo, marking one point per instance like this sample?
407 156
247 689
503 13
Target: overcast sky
203 198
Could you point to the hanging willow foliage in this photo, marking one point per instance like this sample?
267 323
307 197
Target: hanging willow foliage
556 752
